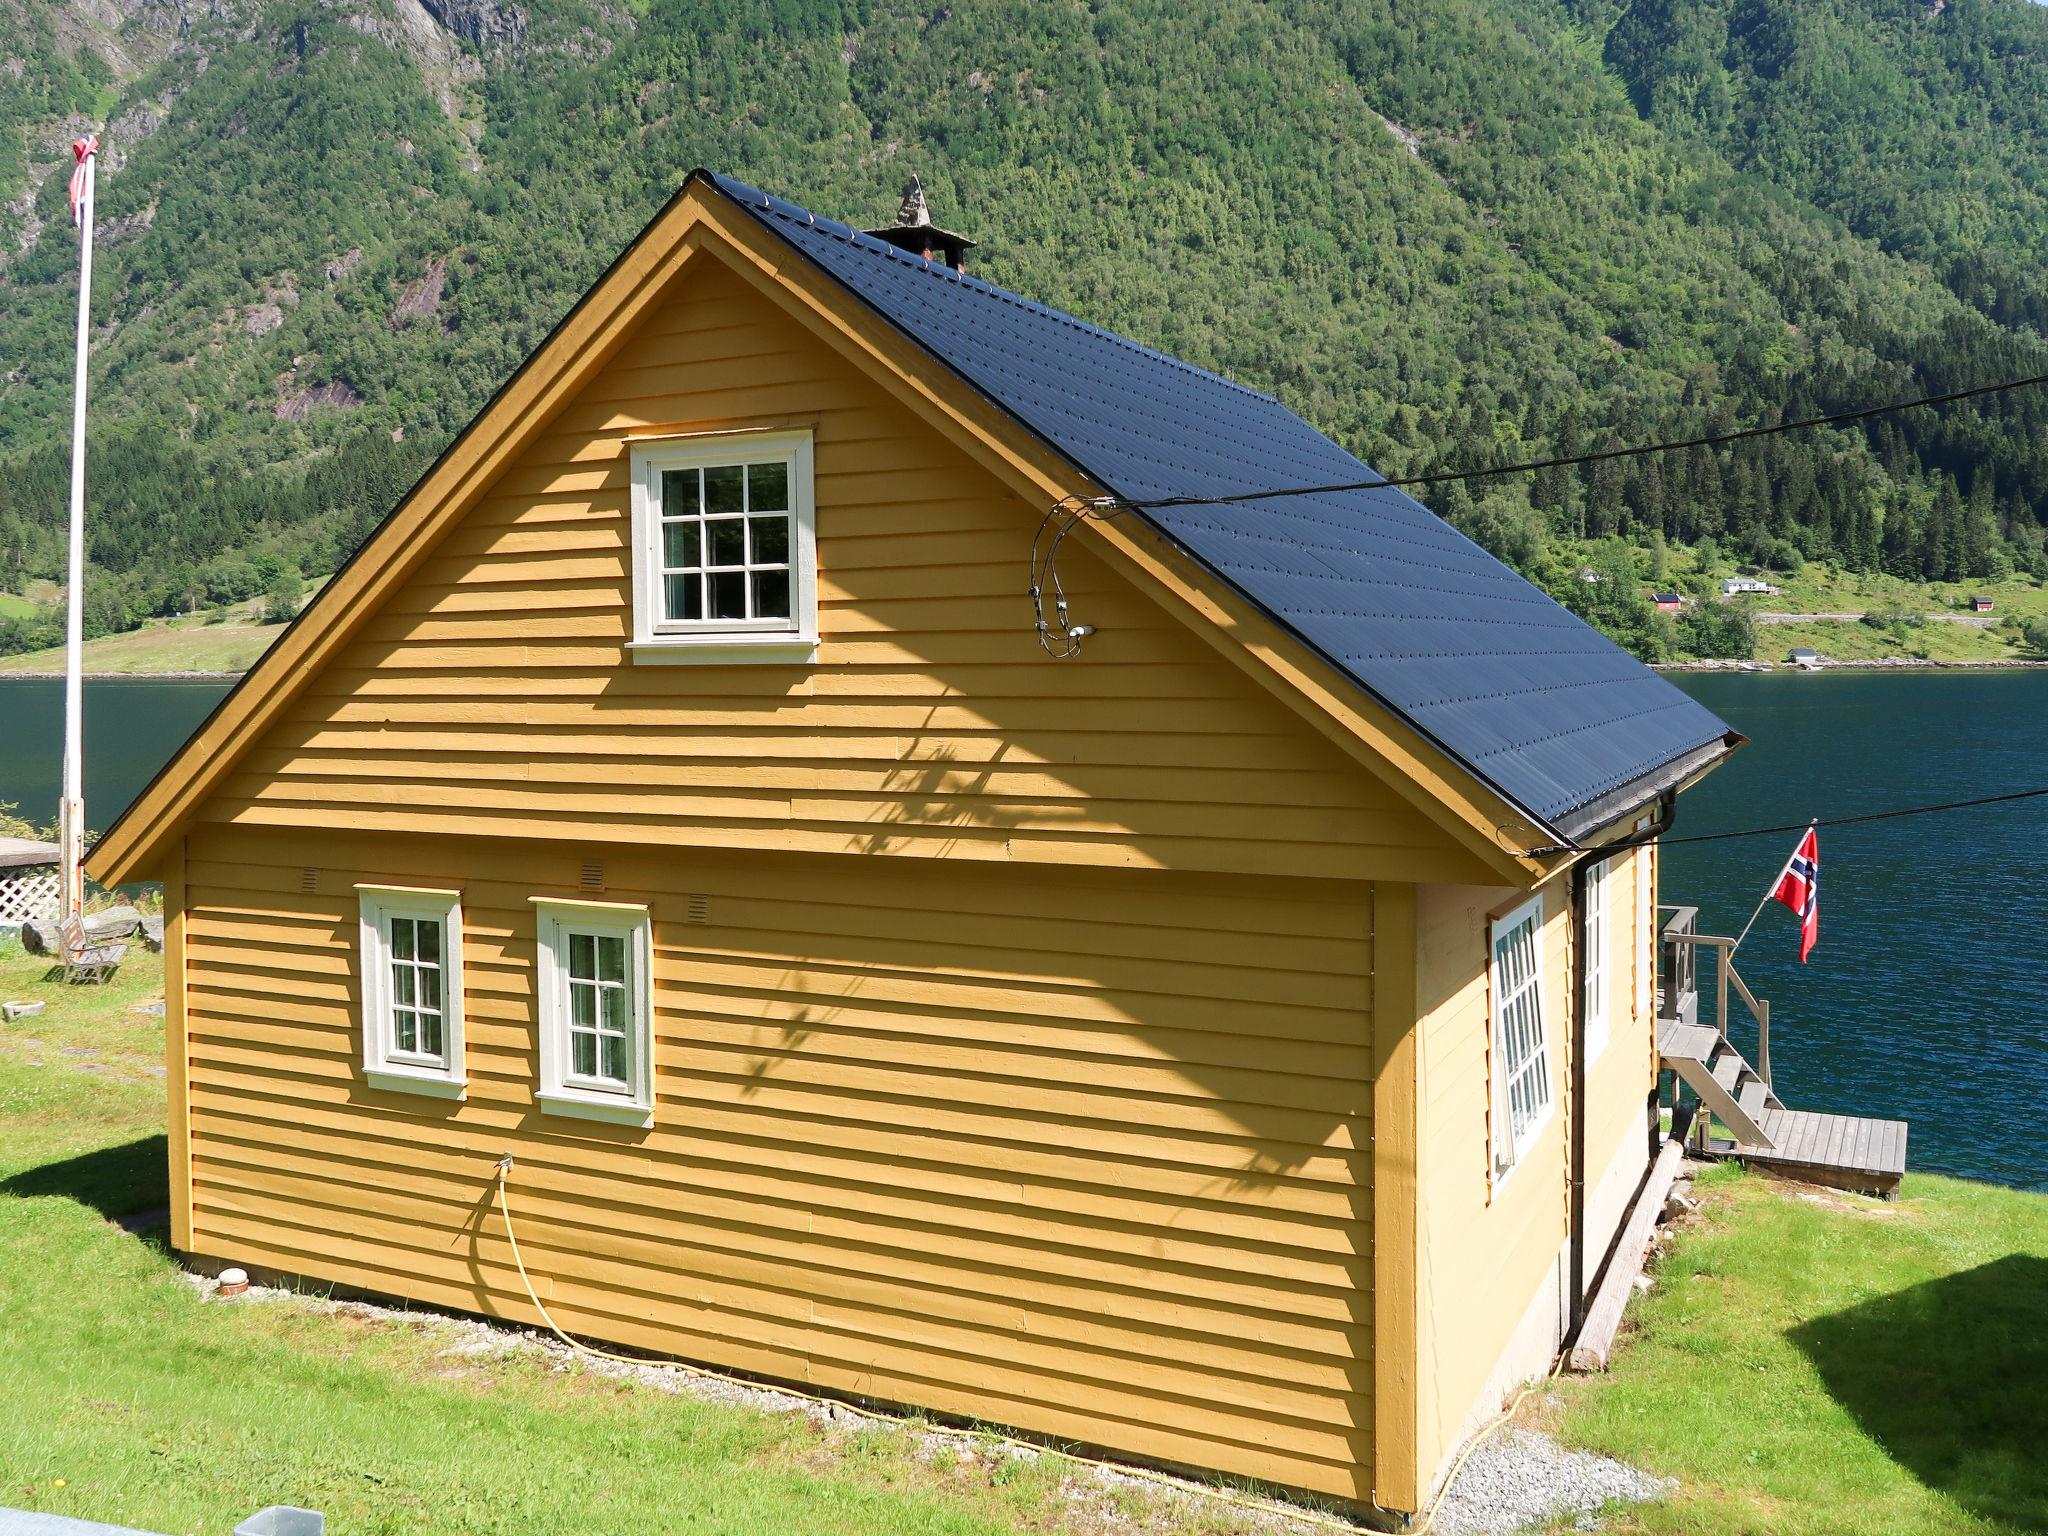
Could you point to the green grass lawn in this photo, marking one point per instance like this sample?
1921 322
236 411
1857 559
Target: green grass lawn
12 607
1815 1365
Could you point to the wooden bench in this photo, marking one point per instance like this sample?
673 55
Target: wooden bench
86 958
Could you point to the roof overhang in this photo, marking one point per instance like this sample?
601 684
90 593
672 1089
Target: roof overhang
1614 814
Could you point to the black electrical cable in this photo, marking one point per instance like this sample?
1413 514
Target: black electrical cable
1832 821
1118 503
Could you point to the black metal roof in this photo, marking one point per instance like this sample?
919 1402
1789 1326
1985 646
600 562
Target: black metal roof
1522 692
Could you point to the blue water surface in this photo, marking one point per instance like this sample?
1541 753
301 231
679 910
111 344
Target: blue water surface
132 726
1927 999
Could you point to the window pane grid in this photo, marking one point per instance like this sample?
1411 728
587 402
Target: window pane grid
417 1017
725 540
599 1008
1525 1063
1596 940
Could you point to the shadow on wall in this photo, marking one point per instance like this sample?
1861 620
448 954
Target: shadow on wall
1951 1378
115 1181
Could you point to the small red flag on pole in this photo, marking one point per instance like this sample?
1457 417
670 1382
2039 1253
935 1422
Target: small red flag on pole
82 150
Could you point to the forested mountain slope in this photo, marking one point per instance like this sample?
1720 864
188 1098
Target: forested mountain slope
1451 235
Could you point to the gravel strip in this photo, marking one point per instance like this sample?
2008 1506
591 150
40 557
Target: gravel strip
1521 1478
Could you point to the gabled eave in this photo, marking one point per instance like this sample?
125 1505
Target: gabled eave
1495 833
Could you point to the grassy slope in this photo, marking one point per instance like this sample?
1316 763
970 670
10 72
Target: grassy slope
162 645
1809 1365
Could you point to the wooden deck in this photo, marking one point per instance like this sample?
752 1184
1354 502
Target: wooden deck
1844 1151
1847 1151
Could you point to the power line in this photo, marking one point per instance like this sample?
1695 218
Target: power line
1062 638
1712 440
1832 821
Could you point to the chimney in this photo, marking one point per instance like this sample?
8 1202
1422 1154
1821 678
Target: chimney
915 232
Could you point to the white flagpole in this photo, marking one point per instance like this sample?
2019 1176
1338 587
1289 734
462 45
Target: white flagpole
1772 889
71 809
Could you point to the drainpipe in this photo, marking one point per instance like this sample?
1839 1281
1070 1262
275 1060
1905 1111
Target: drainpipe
1667 813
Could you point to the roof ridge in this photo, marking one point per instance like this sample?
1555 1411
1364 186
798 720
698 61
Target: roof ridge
740 192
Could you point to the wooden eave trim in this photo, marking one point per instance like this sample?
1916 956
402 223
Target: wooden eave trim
1478 820
580 345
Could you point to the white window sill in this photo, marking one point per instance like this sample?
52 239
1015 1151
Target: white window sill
436 1085
722 650
578 1106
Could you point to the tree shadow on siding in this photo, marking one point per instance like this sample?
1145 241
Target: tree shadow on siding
1950 1377
114 1181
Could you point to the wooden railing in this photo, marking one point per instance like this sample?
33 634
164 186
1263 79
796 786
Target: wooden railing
1678 949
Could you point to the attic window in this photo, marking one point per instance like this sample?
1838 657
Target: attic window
724 553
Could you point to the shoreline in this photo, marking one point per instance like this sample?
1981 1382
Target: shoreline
1868 664
132 677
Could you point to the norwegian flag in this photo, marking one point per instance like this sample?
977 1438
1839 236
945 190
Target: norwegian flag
1798 887
83 151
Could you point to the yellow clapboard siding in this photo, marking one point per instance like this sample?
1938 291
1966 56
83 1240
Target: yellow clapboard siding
894 1140
986 1211
780 1273
1080 848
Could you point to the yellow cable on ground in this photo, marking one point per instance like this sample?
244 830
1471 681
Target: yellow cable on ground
1122 1469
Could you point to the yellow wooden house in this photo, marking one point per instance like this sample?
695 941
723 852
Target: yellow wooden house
1202 1012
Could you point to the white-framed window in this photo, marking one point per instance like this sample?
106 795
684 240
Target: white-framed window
1598 936
595 967
1522 1095
411 947
725 563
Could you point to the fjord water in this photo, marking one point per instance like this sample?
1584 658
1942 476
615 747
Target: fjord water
132 726
1927 998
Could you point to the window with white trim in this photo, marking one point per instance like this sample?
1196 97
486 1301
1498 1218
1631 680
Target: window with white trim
1598 936
724 549
1522 1097
411 947
595 963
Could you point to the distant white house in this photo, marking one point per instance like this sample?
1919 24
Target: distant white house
1803 658
1735 586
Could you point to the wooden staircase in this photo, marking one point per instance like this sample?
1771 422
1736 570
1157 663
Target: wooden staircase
1722 1077
1846 1151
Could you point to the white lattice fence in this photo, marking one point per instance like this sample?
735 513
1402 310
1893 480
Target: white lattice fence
26 896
